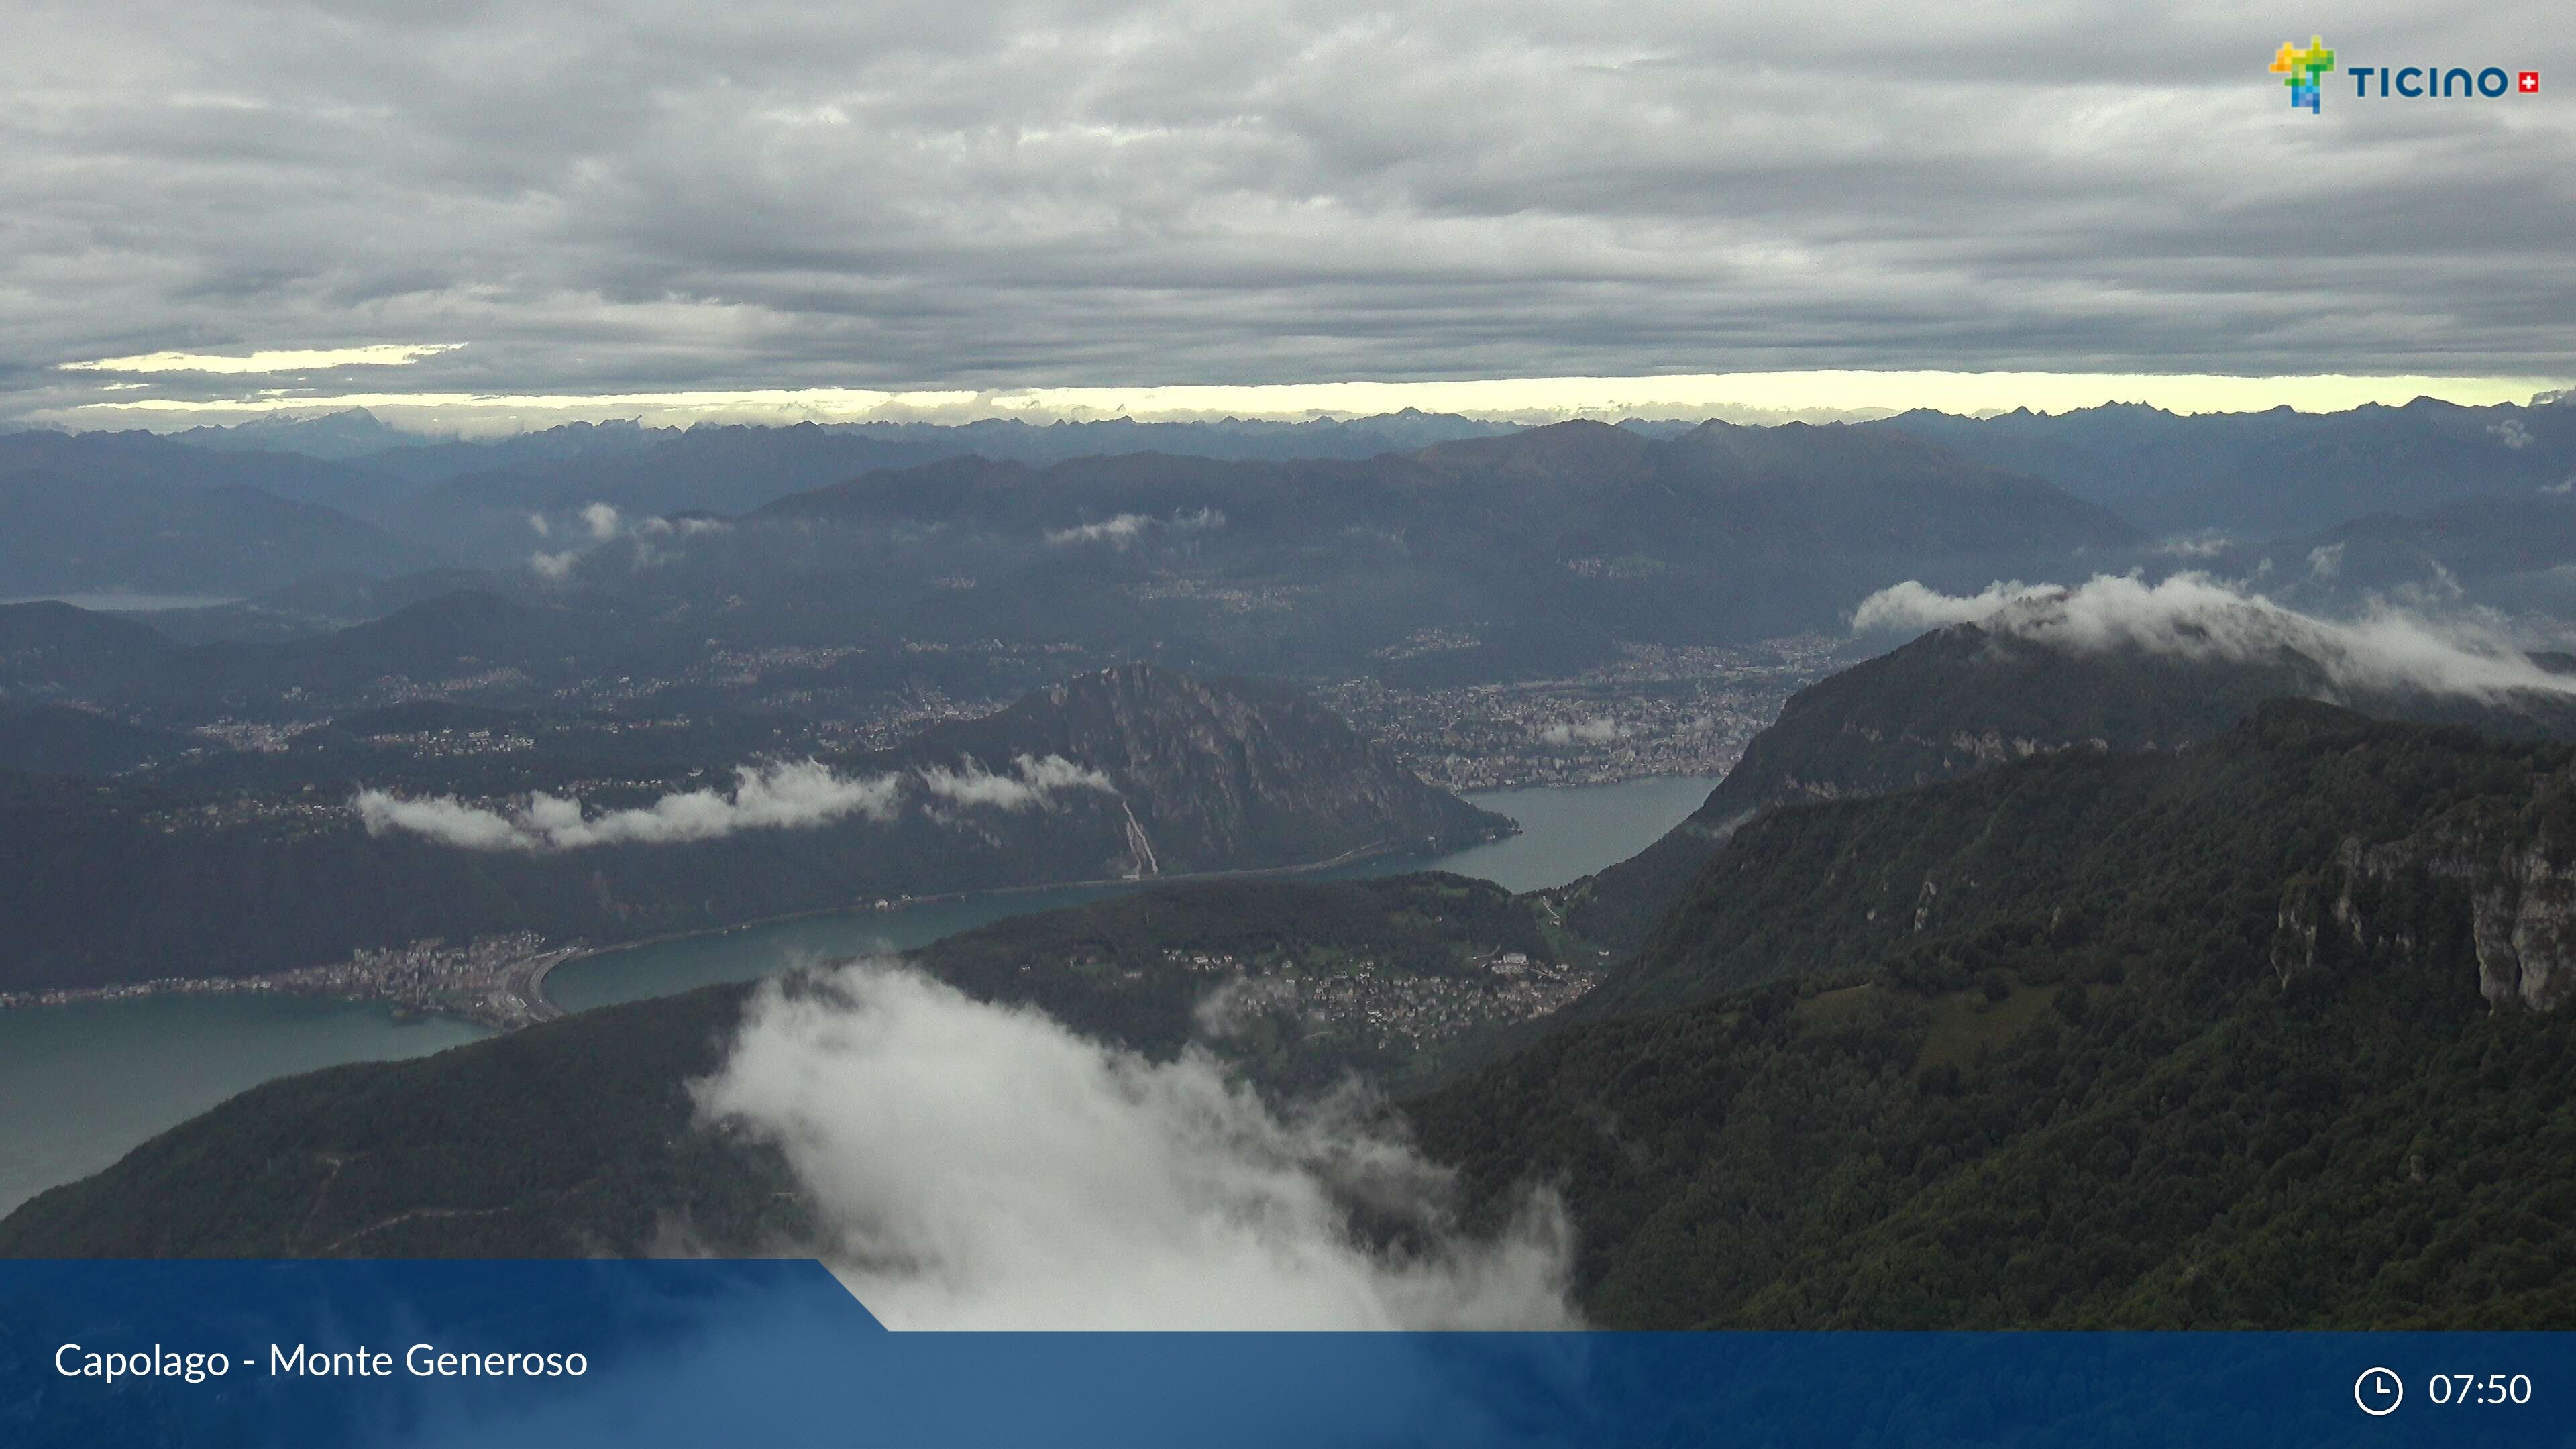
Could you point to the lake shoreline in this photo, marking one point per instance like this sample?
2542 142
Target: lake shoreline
135 1065
527 1002
1376 850
1565 834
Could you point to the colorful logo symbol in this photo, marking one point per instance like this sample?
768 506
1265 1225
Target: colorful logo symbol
2303 69
2528 83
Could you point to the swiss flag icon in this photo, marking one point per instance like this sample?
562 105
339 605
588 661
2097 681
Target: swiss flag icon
2528 83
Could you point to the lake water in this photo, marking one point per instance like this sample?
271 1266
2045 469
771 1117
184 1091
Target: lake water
1565 834
80 1086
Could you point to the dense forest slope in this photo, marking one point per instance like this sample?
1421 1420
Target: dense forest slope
1969 697
2232 1037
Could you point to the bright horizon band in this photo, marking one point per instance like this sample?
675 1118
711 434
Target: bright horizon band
1741 396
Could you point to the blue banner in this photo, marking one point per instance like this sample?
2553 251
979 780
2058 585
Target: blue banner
641 1354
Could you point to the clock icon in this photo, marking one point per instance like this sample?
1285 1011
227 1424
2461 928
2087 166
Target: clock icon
2378 1391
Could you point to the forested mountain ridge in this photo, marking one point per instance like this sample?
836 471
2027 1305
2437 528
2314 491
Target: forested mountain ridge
1488 558
2084 1042
2272 473
1131 772
104 512
1224 774
1969 697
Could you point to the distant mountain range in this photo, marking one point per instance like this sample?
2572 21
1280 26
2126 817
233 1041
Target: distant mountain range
1740 532
1530 553
354 433
2275 474
1490 558
51 649
336 436
104 512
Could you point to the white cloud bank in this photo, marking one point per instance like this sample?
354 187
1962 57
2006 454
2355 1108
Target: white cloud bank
1121 531
791 796
1126 528
689 527
390 354
2193 616
602 523
1599 730
1031 782
975 1166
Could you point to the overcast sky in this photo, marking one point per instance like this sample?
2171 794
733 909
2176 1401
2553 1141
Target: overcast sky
621 202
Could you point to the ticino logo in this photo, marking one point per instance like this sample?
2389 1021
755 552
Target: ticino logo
2304 68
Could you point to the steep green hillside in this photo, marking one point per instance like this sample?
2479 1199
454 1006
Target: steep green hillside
2091 1040
1967 698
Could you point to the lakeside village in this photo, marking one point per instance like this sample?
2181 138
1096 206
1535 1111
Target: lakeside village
1373 1003
1364 1002
492 981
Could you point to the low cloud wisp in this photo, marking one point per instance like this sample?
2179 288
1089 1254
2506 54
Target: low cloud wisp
1599 730
2194 616
383 354
1031 782
796 795
1127 528
976 1166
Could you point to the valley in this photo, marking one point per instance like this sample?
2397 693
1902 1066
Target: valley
1625 816
206 1040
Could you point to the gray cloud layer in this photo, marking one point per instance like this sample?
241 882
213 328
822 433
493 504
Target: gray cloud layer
601 199
2194 616
980 1166
797 795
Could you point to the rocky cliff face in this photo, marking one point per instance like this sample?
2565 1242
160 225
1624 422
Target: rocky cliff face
2519 888
1220 774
